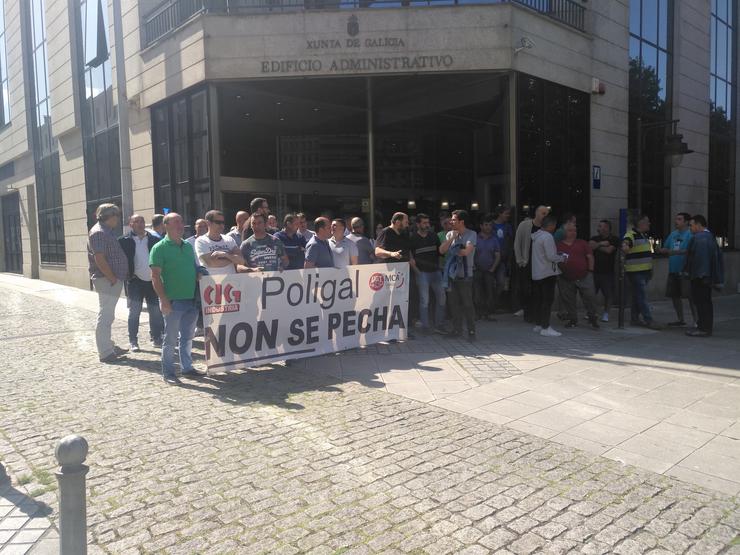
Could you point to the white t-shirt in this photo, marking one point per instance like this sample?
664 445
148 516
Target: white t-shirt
205 245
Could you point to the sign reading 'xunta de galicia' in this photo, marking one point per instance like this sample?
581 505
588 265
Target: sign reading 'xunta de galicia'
353 45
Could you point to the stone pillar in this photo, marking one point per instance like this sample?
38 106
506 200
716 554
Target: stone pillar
70 453
690 180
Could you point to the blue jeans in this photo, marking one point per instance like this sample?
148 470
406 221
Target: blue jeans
425 281
180 323
638 285
139 291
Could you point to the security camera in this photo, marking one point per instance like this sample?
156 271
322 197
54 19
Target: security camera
525 43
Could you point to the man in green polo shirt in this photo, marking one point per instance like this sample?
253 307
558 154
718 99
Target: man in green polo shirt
174 277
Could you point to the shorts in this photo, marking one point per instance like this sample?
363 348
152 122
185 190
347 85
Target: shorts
677 287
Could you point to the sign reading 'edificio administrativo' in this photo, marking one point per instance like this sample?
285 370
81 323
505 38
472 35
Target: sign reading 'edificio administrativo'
255 318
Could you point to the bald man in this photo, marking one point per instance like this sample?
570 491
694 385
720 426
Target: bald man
242 217
523 254
365 248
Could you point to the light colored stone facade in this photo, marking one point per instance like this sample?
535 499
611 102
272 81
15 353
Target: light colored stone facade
211 48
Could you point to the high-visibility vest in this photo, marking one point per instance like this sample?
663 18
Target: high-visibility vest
640 256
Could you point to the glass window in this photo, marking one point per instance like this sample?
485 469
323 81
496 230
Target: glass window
99 113
649 99
4 86
182 180
46 157
722 122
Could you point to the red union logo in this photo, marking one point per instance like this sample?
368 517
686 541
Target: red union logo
376 281
392 279
224 297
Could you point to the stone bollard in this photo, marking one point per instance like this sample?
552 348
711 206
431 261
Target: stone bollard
70 453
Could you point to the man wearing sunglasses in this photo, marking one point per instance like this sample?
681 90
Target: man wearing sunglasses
215 250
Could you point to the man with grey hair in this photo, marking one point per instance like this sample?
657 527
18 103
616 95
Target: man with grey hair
108 268
365 248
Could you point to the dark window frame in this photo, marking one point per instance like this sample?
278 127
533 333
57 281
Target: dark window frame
5 112
182 196
49 202
656 173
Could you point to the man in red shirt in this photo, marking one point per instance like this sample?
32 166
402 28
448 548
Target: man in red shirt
577 277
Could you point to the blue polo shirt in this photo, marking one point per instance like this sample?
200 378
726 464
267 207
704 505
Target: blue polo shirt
677 240
319 252
295 248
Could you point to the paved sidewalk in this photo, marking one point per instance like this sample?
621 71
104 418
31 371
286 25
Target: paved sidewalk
321 458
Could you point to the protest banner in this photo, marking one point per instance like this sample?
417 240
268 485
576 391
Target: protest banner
255 318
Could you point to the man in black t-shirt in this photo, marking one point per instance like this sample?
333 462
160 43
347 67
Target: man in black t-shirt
604 246
392 244
425 250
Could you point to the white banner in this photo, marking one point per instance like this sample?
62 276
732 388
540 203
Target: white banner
254 318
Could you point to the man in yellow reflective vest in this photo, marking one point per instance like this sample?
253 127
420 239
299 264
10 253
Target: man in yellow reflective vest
638 267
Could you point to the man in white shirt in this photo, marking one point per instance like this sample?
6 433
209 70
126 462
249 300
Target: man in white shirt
136 245
217 252
343 250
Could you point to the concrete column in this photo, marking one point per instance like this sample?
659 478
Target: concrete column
690 180
70 453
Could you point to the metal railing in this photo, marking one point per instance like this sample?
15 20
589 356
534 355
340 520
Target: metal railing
173 13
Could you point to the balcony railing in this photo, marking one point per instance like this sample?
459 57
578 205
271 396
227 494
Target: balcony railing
173 13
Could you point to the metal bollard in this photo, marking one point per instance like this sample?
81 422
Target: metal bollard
70 453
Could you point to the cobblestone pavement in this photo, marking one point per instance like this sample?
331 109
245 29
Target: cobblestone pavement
284 460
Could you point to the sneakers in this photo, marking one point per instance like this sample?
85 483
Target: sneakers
698 333
593 321
118 351
571 324
605 317
677 324
519 313
537 329
549 332
134 347
441 330
653 325
191 373
171 380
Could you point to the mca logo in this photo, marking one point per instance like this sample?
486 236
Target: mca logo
221 298
394 280
353 26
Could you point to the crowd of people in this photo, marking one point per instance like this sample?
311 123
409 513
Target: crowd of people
463 272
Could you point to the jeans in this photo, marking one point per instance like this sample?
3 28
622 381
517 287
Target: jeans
138 292
605 284
461 304
701 294
433 281
522 281
179 323
569 290
488 286
638 284
108 296
543 295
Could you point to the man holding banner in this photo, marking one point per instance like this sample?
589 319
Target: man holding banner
262 252
318 250
174 277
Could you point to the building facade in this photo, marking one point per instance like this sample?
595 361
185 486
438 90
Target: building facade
359 107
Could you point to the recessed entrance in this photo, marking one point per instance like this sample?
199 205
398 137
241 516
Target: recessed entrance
12 246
